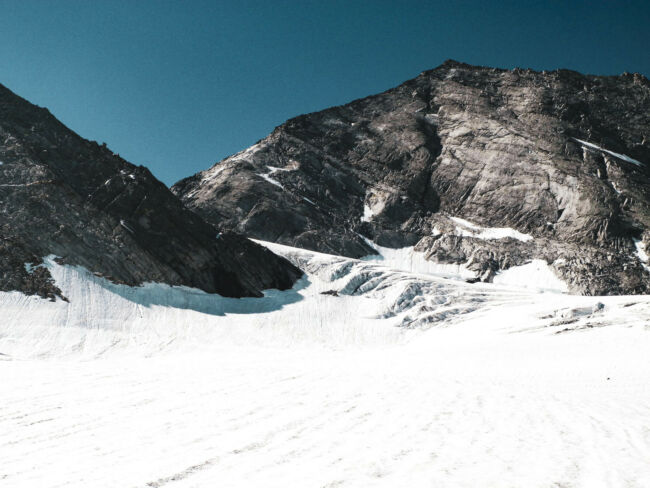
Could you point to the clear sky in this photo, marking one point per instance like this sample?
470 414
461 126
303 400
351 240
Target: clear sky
179 85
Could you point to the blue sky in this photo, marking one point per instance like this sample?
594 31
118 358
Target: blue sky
177 86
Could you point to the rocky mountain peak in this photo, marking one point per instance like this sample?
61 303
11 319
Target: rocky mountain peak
65 196
556 155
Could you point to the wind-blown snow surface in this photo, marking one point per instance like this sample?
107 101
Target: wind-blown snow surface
400 380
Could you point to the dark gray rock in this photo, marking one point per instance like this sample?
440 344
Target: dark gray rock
498 148
63 195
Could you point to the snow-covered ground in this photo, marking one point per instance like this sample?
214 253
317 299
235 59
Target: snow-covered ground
390 379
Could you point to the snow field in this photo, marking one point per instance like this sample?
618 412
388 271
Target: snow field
403 379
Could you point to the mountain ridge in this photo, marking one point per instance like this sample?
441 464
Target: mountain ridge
63 195
393 166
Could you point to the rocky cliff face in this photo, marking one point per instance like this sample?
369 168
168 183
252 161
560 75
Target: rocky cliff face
63 195
559 157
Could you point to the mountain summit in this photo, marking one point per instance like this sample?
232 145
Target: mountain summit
65 196
483 167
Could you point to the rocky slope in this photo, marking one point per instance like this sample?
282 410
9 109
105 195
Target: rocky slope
556 161
63 195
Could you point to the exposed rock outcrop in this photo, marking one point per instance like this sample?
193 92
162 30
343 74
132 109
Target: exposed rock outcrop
560 156
63 195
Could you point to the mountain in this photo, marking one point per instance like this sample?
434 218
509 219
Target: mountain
475 166
65 196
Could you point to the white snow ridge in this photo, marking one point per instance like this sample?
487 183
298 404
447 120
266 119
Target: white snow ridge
361 375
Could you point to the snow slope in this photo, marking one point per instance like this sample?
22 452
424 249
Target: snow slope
401 380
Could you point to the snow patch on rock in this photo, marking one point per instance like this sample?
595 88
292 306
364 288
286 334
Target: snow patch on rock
641 253
212 173
247 153
367 213
468 229
273 181
536 275
611 153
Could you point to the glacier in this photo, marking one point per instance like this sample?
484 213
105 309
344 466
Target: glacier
366 373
